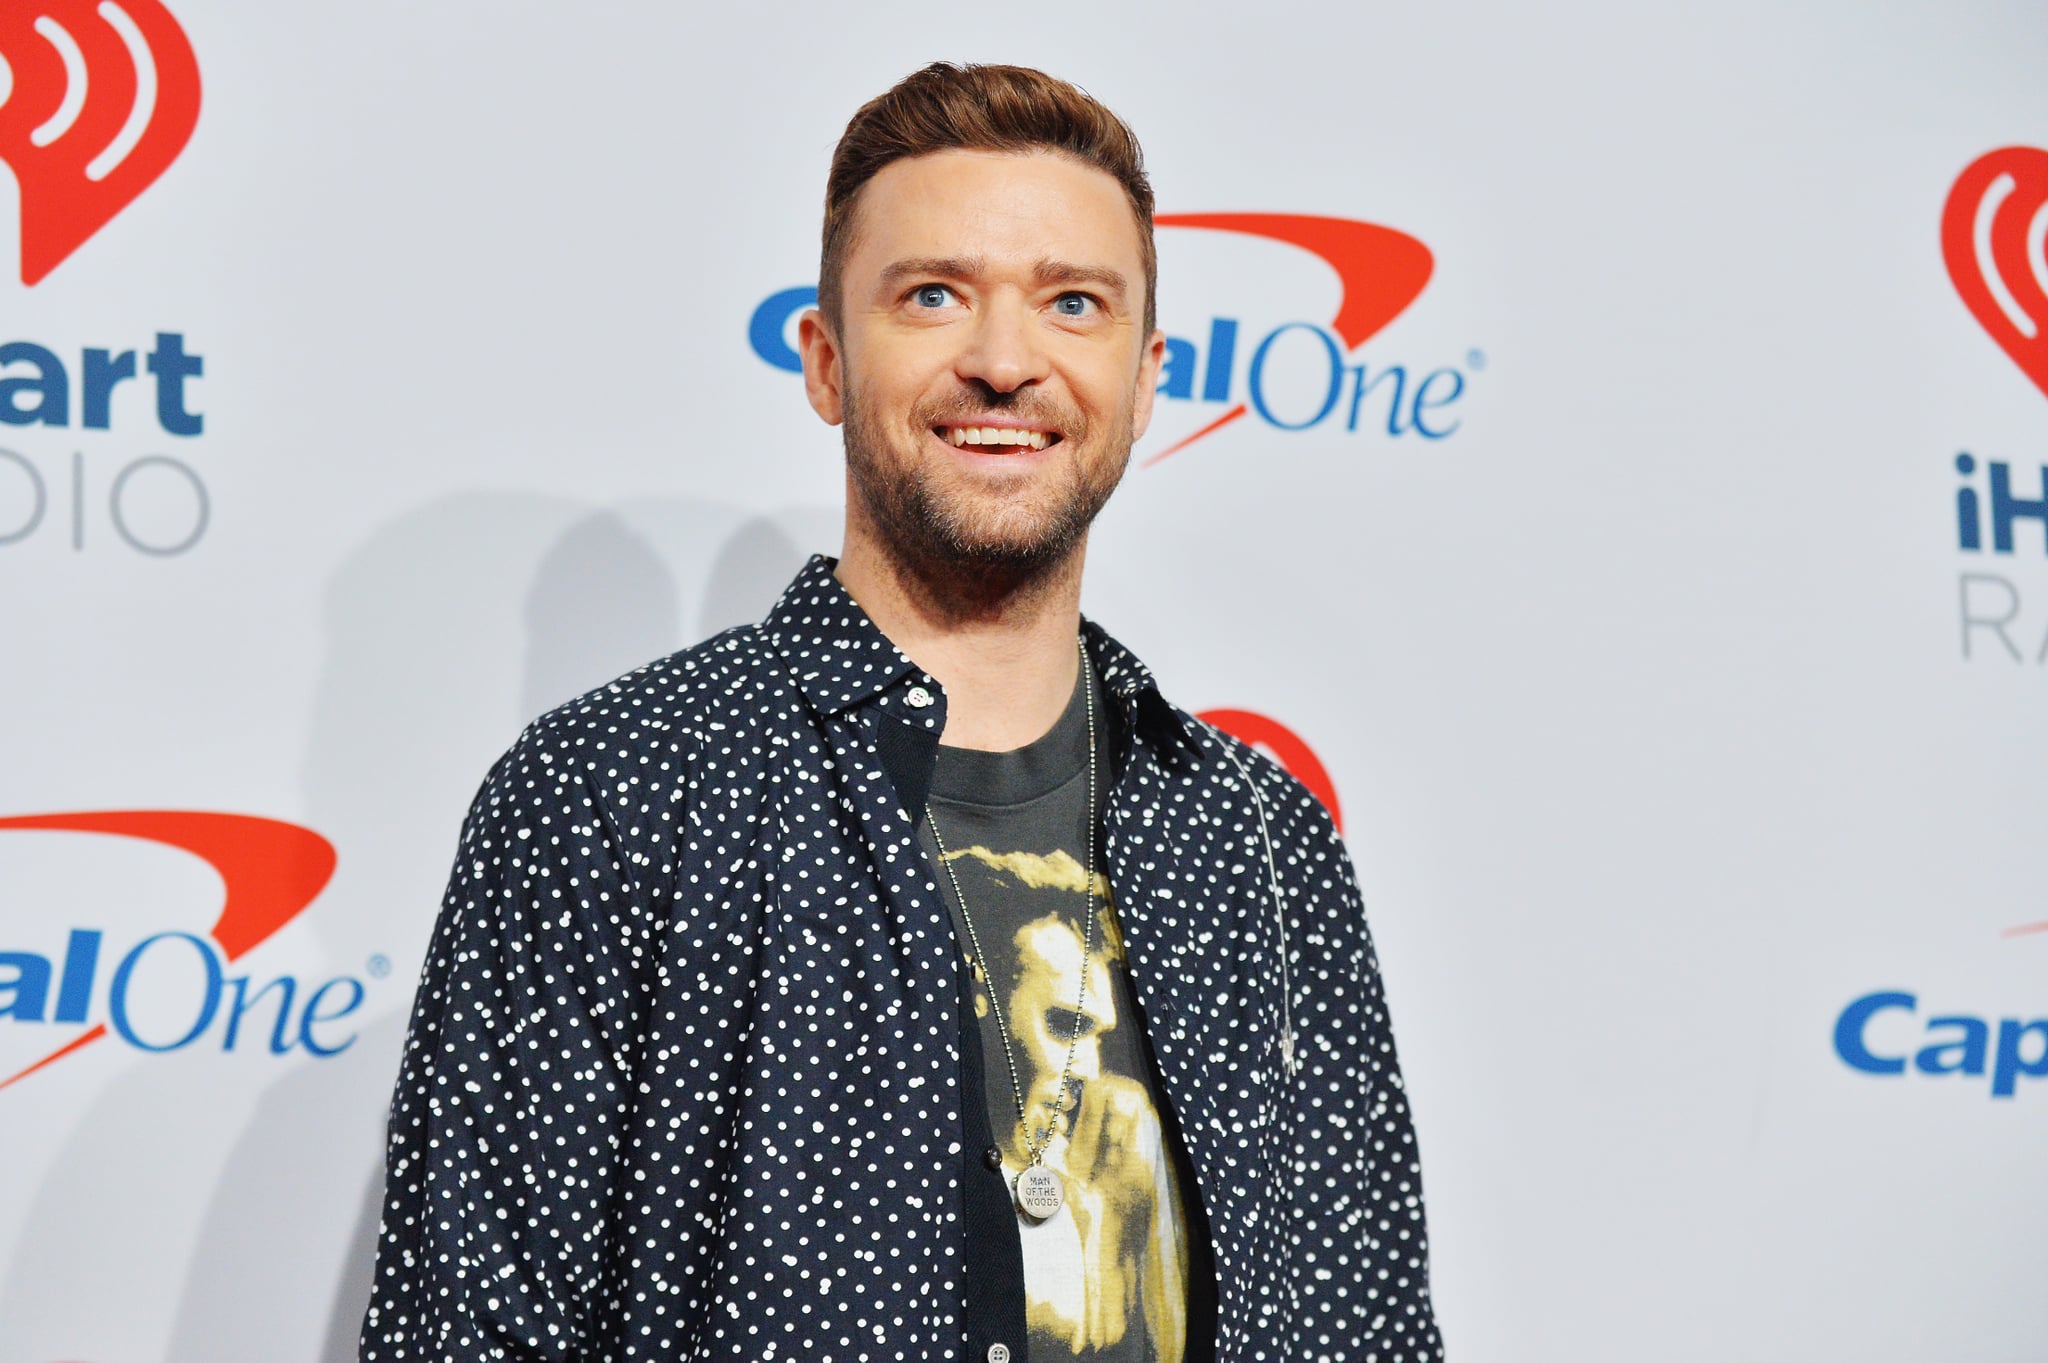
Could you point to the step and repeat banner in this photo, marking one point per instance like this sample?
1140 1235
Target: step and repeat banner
1604 452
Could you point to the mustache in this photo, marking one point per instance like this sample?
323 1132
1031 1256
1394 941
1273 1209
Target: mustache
963 406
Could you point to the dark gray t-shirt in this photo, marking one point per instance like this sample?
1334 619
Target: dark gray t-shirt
1106 1277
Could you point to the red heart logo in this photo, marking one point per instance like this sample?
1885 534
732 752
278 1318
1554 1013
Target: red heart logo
1994 236
96 101
1292 750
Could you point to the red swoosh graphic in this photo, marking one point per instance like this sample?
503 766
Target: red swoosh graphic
1292 750
272 871
2025 930
1381 272
81 50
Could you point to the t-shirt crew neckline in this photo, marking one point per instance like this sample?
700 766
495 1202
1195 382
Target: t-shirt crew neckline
1000 780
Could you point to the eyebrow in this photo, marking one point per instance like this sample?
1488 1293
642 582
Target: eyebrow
1046 272
1061 272
942 267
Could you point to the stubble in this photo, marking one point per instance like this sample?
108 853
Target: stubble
965 542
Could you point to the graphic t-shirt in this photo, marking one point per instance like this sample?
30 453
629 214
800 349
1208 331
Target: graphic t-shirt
1106 1276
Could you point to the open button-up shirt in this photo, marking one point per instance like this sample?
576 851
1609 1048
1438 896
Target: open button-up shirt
685 1078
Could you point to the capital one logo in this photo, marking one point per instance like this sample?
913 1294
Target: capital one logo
96 101
1380 272
1883 1034
173 989
1994 238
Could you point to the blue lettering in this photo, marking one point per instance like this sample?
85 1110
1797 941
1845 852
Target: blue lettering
25 995
1969 1047
2008 1068
1222 356
313 1015
1360 387
44 397
172 366
1969 525
244 1001
117 996
1177 375
26 978
767 330
81 963
1423 401
102 372
2006 508
1332 354
51 387
1849 1032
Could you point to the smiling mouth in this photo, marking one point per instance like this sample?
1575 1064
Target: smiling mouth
996 435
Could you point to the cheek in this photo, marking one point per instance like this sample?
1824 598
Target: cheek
891 398
1107 390
882 405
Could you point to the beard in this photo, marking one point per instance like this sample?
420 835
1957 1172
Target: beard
936 522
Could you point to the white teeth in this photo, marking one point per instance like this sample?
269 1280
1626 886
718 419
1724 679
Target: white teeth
996 435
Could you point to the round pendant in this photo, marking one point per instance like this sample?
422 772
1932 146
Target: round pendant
1039 1192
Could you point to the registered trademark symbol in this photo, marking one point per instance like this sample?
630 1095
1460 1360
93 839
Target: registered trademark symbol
1475 359
379 966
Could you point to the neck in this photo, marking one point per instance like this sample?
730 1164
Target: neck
1004 649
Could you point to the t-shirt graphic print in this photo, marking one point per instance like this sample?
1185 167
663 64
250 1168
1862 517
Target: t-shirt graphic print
1106 1276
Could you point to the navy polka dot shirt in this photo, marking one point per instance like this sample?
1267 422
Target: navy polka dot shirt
684 1079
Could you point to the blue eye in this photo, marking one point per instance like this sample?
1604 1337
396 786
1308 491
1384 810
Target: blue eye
932 295
1073 305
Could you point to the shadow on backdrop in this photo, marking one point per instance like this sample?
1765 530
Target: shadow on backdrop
446 631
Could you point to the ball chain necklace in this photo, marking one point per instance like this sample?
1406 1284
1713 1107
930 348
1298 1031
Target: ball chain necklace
1038 1189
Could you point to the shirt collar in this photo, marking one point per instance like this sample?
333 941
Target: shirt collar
1130 681
841 660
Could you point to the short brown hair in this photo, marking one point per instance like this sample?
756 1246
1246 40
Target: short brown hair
956 107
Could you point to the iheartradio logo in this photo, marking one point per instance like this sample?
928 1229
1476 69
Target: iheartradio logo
1994 237
96 101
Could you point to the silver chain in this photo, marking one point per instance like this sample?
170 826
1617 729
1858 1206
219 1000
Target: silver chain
1035 1145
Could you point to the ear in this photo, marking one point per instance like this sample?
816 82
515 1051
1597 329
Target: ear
1149 362
824 370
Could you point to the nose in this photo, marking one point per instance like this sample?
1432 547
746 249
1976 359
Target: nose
1004 347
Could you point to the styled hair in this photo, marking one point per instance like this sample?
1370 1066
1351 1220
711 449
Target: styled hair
967 107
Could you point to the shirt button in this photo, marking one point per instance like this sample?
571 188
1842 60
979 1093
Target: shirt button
993 1158
998 1353
919 698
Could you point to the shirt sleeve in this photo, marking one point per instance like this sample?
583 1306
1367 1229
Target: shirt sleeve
1400 1323
1361 1166
513 1094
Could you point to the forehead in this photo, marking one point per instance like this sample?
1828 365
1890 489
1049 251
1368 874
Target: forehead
1019 207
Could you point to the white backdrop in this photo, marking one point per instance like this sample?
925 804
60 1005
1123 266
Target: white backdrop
1650 693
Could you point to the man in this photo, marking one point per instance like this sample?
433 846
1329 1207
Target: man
903 978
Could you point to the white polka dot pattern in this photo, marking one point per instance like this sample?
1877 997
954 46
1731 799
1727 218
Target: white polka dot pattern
682 1082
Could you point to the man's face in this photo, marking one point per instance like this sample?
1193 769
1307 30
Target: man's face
991 366
1041 1012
